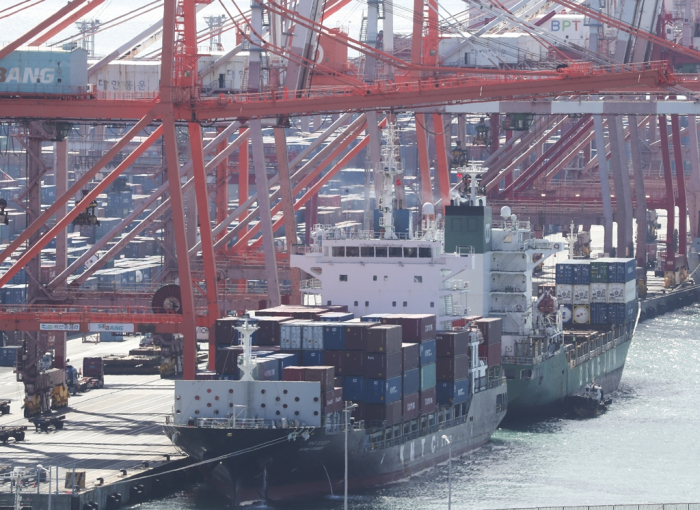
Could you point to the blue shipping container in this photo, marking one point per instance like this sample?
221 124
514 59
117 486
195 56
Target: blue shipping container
428 352
622 313
266 369
452 392
411 381
582 274
44 72
621 270
334 338
383 391
599 313
354 388
286 360
564 274
8 355
312 358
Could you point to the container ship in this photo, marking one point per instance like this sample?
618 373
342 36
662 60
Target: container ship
384 343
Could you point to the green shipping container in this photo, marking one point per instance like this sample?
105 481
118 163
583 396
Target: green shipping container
428 378
599 272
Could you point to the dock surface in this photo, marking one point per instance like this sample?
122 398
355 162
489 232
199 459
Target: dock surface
106 430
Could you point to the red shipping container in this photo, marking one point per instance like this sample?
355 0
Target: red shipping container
338 398
382 366
227 361
334 359
452 343
322 374
494 354
411 356
294 374
48 338
415 327
411 407
390 414
384 338
491 329
452 369
328 401
428 401
353 362
356 335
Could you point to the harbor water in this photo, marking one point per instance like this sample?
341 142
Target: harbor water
645 449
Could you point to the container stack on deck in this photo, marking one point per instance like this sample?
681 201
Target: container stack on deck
597 292
395 367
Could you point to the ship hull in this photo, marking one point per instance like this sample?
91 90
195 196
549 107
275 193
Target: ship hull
554 379
315 465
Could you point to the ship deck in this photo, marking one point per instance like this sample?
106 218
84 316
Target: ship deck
106 430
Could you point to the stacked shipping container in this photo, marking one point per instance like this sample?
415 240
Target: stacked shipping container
599 292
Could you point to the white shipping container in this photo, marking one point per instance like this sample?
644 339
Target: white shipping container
581 295
118 76
290 336
582 314
312 339
599 293
622 292
565 293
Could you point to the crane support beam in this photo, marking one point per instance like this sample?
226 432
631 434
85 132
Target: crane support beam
669 262
208 259
645 78
66 22
680 184
48 22
79 185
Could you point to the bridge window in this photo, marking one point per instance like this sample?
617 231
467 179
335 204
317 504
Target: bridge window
410 252
366 303
424 253
417 279
380 252
386 278
328 303
374 278
339 251
343 278
395 252
432 304
393 303
357 303
367 251
405 304
352 251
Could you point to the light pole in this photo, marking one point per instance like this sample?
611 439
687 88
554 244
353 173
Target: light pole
347 410
39 470
449 473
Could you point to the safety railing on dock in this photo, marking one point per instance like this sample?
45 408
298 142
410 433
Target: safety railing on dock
645 506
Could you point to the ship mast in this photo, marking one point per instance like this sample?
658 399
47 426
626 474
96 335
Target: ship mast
390 171
246 364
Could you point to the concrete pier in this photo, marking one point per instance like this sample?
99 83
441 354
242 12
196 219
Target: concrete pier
113 434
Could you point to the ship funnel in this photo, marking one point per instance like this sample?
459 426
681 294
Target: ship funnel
505 212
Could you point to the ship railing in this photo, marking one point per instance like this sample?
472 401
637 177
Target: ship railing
455 285
510 225
464 251
311 283
231 423
495 382
517 360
